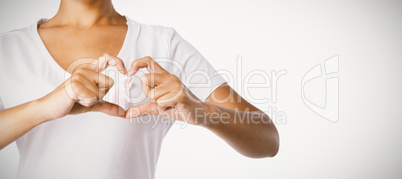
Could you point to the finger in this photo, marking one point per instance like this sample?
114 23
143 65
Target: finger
81 94
168 100
146 62
107 60
97 82
163 96
87 78
155 93
154 79
87 86
109 109
90 85
150 80
142 110
101 80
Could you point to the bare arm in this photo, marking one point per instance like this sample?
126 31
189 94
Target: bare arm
247 129
78 94
17 121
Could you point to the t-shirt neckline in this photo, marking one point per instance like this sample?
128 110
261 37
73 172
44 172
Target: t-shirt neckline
44 51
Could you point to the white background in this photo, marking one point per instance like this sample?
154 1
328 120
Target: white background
279 35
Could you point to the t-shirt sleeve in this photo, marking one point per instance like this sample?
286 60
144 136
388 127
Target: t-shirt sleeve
1 105
192 68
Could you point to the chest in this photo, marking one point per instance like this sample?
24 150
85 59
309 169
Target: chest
66 45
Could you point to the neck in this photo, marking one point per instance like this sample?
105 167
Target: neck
87 13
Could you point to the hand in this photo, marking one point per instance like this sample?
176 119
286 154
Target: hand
84 90
169 97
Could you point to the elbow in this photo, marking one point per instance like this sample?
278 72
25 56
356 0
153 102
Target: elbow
274 149
270 147
275 146
267 153
266 149
267 144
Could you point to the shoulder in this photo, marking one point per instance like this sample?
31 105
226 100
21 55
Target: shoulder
151 30
13 42
15 34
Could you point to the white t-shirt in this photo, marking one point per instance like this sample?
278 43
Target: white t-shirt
95 145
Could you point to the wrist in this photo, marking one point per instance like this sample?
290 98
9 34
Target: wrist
39 110
210 115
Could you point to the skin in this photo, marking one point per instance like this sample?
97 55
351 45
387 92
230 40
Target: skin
82 25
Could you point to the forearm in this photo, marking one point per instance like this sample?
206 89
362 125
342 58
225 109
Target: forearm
16 121
251 133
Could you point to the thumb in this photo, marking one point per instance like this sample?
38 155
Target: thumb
142 110
109 109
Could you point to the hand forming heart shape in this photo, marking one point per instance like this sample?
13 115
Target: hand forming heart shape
87 86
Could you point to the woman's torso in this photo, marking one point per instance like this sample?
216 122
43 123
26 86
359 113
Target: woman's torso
90 145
